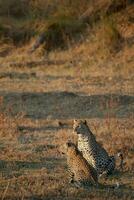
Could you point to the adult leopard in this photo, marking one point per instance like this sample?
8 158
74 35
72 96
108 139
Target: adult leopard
92 151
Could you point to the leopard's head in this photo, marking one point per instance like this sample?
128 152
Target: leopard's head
80 126
71 148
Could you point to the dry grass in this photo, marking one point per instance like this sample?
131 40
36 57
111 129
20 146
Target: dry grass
32 167
86 81
31 164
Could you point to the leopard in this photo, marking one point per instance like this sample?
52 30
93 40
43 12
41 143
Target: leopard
93 151
81 173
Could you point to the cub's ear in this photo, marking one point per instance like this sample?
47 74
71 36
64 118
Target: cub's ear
69 144
85 122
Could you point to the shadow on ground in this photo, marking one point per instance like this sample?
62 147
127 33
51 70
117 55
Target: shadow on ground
49 163
37 63
41 129
67 105
16 75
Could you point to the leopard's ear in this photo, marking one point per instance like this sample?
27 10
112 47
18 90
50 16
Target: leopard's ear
69 143
77 151
85 122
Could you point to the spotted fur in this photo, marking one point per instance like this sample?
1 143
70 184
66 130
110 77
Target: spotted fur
80 171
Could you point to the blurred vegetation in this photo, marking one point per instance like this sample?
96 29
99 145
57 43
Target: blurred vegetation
13 8
20 20
109 36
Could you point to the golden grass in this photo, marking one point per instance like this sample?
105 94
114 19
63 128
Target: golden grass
32 166
31 163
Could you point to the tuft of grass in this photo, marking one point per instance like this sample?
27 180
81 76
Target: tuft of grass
108 37
17 35
60 31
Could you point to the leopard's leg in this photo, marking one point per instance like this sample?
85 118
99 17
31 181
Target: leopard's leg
110 166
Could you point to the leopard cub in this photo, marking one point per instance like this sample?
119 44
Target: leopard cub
80 171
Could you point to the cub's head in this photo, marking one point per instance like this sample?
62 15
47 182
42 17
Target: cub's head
71 148
80 127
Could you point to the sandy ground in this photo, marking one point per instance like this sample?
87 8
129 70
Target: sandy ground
34 99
